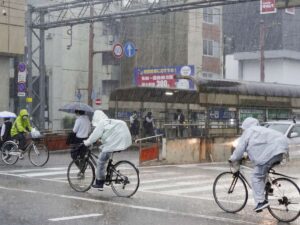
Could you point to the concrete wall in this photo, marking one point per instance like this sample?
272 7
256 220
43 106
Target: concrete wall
68 69
194 150
281 70
12 27
4 84
195 40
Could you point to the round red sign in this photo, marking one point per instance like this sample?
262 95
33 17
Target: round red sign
98 101
118 51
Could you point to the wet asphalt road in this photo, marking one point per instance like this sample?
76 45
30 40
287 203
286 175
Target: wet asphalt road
176 194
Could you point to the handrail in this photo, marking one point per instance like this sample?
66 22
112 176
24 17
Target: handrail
146 138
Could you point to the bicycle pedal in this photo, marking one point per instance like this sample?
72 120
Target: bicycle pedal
258 211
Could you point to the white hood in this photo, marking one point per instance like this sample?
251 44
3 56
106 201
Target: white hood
99 116
249 122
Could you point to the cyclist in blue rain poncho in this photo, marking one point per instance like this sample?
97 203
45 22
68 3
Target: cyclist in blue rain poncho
114 135
264 147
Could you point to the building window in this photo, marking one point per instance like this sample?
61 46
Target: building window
211 15
211 48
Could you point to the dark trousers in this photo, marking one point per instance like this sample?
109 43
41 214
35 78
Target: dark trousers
75 151
22 140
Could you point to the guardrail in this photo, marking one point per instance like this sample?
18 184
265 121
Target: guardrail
150 149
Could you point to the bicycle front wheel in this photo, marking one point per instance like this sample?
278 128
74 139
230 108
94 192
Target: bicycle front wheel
230 192
38 154
81 175
285 200
10 152
125 179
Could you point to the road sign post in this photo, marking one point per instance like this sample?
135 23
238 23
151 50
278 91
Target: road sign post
129 49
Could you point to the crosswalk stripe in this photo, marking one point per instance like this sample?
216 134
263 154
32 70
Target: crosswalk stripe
44 174
33 170
176 184
173 178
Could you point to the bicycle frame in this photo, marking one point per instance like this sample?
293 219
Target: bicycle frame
109 169
268 178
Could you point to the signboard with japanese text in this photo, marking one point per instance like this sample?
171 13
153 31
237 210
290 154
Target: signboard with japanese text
267 6
164 77
255 113
217 113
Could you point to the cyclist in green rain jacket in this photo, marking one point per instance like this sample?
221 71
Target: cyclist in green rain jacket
20 127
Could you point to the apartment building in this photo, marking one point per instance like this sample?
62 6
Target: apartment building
11 49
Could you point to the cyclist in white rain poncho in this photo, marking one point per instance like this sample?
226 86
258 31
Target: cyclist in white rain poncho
114 135
264 147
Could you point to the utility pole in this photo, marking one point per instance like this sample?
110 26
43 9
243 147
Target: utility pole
262 51
91 57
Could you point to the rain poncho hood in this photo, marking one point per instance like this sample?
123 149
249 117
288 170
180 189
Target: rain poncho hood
99 116
260 143
23 112
113 134
21 125
249 122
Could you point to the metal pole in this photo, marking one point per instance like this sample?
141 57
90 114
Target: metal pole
91 54
42 85
29 56
262 49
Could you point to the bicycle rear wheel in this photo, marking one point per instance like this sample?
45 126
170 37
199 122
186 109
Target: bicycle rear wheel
10 152
230 192
81 175
285 200
38 154
125 179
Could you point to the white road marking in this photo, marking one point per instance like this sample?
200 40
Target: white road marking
173 178
41 174
176 184
33 170
152 209
75 217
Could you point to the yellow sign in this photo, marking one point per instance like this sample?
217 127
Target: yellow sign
28 99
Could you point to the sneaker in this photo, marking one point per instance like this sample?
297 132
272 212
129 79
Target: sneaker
98 184
262 205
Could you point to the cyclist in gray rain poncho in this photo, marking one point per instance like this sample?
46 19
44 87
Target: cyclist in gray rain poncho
114 136
264 147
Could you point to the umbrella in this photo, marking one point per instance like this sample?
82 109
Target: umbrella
6 114
71 107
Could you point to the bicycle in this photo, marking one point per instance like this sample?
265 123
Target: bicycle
37 152
231 193
122 176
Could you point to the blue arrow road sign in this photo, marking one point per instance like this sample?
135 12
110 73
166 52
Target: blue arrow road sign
129 49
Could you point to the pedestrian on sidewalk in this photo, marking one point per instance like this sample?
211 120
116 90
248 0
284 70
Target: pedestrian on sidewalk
81 130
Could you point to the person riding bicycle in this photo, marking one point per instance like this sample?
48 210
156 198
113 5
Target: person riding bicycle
114 136
20 128
264 147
